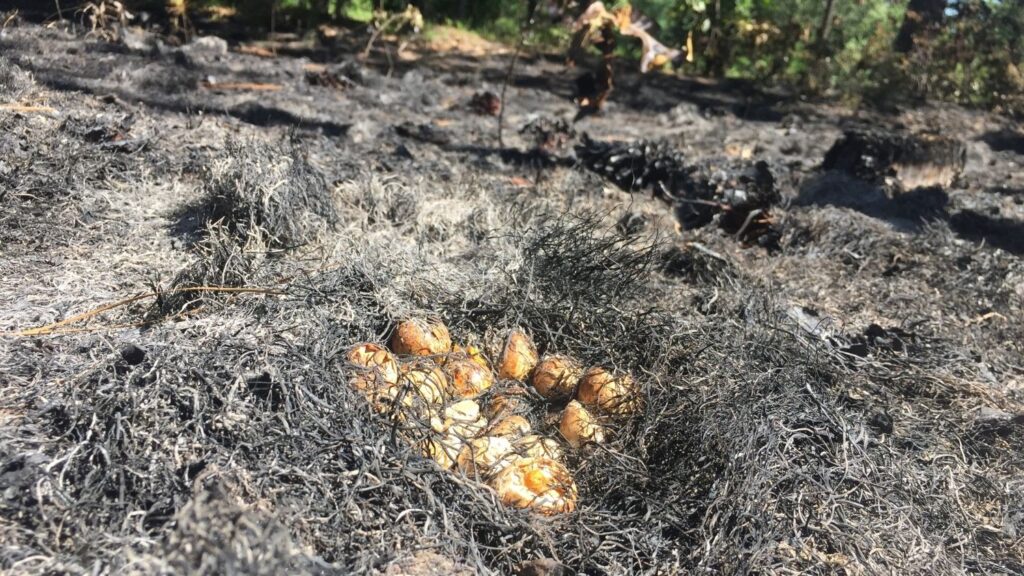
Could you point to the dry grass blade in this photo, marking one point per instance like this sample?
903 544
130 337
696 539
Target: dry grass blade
53 328
242 86
26 108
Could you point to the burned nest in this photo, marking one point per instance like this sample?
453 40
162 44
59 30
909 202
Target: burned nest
235 444
916 160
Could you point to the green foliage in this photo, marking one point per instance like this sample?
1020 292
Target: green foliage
976 57
983 41
357 10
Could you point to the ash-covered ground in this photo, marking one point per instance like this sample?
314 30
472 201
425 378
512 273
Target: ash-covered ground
185 262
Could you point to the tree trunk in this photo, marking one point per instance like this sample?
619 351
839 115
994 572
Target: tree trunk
825 29
321 11
922 16
717 46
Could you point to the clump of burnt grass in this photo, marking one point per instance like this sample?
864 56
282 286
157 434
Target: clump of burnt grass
235 440
15 82
214 533
268 193
221 264
973 279
568 278
257 200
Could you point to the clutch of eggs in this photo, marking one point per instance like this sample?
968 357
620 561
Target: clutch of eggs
437 385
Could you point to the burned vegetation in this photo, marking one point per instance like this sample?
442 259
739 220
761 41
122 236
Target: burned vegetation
819 387
265 194
738 197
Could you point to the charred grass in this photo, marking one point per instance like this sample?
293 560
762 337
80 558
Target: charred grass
214 432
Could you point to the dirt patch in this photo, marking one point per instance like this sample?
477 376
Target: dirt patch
448 39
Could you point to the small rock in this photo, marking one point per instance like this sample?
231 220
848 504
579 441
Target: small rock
132 355
542 567
882 422
137 40
402 151
207 45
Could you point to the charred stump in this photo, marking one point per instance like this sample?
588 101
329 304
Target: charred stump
914 161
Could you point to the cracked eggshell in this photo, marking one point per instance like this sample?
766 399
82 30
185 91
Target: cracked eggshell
426 381
377 367
419 337
513 426
518 357
507 401
442 450
468 379
472 353
540 484
536 446
579 426
461 419
392 402
555 377
484 456
608 392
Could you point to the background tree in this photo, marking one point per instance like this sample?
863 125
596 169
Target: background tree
967 51
922 16
825 28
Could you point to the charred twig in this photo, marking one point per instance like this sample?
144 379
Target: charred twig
52 328
746 222
24 108
242 86
523 31
702 248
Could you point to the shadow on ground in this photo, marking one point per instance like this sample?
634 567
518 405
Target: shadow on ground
251 112
1004 141
1004 233
910 211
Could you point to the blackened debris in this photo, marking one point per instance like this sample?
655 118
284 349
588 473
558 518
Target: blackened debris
635 166
101 129
549 135
1005 233
329 78
424 133
1005 141
132 355
882 422
694 263
265 389
747 193
738 195
485 103
878 340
